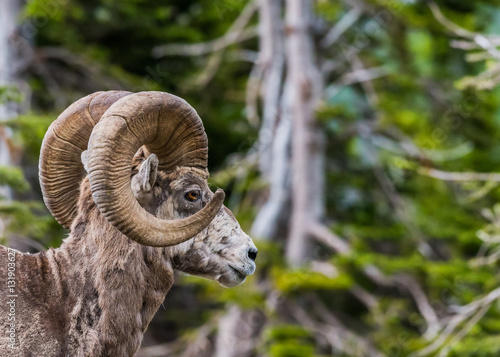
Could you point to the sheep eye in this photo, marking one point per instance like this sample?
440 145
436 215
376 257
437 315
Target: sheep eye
192 196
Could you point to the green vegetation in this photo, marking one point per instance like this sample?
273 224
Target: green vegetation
428 109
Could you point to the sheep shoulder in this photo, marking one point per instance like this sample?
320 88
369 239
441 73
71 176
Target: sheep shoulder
32 312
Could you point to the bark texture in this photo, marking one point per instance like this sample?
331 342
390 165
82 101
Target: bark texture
274 136
290 147
307 141
9 11
290 144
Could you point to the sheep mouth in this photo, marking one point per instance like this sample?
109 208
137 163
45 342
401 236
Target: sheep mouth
238 273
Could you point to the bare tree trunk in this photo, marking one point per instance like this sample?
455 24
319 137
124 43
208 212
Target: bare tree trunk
238 332
288 109
9 12
11 61
307 140
270 65
274 134
288 124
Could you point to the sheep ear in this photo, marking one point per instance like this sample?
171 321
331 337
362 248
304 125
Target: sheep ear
145 179
85 160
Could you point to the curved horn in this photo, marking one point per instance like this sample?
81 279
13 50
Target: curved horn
169 127
60 164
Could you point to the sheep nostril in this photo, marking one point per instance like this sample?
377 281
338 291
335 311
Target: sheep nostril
252 254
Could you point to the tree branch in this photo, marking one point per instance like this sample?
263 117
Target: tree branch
340 27
327 237
476 309
479 39
236 33
458 176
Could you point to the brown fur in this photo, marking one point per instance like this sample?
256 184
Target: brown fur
97 293
93 296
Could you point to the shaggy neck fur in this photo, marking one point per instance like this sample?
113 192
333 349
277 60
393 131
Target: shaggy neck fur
96 294
93 296
116 285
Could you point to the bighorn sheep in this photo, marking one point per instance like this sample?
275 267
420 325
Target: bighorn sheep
143 211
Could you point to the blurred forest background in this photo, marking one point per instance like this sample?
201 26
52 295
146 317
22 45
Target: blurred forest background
357 142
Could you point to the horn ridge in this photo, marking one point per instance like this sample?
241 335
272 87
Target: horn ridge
168 127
